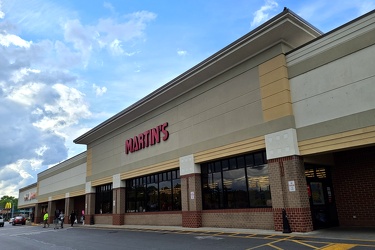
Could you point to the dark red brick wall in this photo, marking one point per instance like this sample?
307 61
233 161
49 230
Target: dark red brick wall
88 219
191 219
354 185
251 218
299 219
165 218
118 219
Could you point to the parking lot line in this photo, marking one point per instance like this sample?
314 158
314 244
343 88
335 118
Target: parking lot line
339 246
305 244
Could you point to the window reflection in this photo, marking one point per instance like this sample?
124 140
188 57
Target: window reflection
156 192
237 182
103 199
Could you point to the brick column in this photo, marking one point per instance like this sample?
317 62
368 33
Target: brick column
288 181
69 206
118 210
37 214
51 210
66 209
191 192
89 203
293 198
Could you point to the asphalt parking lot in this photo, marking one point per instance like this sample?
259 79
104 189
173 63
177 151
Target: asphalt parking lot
151 237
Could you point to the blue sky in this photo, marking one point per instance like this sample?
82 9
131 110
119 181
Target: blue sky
66 66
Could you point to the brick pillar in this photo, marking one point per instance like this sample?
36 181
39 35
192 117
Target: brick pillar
191 192
37 214
69 206
118 210
51 211
288 181
284 172
89 203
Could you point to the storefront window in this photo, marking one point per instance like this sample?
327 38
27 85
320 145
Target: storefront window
103 199
237 182
176 194
131 197
235 190
259 186
165 192
152 197
156 192
140 197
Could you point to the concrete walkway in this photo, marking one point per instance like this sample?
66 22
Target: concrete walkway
352 233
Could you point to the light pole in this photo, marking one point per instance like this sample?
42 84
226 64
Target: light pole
8 206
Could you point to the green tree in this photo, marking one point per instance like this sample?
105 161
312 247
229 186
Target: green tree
4 200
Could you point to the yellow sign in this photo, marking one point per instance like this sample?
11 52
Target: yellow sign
8 205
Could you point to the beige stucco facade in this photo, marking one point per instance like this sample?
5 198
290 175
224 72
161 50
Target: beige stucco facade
27 196
332 83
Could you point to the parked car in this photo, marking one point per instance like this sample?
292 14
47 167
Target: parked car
11 220
1 221
19 220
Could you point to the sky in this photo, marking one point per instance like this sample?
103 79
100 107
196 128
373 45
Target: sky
67 66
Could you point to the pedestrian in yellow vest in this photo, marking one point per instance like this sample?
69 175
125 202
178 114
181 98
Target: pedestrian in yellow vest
45 218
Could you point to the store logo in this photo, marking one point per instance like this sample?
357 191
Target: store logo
29 196
148 138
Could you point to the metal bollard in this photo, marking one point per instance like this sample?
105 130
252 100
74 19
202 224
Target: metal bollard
92 220
286 226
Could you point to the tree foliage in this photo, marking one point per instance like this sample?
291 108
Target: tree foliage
11 199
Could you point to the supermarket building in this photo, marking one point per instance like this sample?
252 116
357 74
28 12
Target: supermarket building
282 118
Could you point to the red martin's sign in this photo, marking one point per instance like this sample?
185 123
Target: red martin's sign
148 138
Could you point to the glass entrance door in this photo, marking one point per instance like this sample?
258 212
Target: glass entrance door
321 196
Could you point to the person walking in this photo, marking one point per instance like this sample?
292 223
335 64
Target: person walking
72 218
32 217
56 219
45 219
83 217
61 218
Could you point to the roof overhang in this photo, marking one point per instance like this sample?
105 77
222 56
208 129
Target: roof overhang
286 27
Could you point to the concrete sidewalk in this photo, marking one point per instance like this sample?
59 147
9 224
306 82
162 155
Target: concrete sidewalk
344 233
358 233
352 233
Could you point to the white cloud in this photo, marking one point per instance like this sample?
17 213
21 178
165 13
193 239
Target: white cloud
17 175
80 37
99 91
109 6
40 151
9 39
20 74
107 33
2 15
116 48
26 94
182 52
31 15
20 165
261 15
67 58
65 111
133 27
